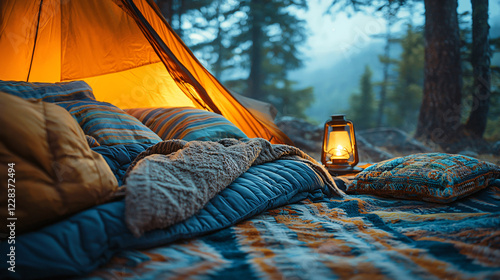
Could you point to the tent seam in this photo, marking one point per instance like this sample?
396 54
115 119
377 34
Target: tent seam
36 37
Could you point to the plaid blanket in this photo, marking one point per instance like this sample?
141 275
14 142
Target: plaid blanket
361 237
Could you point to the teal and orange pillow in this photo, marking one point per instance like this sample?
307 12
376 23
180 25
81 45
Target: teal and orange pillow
186 123
433 177
91 141
106 123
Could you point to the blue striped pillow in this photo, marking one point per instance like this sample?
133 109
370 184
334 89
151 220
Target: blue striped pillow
49 92
108 124
186 123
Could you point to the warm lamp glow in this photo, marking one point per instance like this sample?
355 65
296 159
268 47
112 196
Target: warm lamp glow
339 145
339 150
339 153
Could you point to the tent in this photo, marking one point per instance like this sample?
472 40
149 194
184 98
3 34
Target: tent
124 49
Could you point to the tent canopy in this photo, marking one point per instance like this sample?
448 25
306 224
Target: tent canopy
124 49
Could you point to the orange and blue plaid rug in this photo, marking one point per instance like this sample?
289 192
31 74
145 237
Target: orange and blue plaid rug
362 237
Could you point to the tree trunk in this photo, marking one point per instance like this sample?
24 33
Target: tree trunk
480 60
439 119
255 77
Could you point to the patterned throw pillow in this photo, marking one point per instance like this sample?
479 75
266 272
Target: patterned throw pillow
108 124
187 123
434 177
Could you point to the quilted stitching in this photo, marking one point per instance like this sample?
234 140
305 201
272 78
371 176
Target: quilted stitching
103 228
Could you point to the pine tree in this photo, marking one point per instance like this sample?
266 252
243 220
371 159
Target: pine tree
182 14
292 102
406 96
267 46
362 104
215 50
389 9
258 37
386 61
439 117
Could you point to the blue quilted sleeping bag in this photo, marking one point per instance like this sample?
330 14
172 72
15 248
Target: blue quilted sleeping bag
83 242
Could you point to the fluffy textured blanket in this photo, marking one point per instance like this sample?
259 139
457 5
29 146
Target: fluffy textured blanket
174 179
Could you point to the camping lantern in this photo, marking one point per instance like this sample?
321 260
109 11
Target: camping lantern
339 153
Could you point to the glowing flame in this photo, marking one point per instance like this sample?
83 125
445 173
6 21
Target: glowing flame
339 151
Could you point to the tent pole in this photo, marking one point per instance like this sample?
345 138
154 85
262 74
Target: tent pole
36 36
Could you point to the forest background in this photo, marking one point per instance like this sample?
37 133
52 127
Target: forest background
311 59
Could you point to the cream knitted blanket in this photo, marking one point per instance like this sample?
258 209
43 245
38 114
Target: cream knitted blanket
174 179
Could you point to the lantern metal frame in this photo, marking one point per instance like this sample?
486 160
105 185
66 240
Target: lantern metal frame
341 165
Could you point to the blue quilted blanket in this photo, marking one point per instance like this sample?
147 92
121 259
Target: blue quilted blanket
356 237
83 242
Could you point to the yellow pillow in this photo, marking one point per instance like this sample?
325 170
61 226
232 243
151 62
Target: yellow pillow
48 170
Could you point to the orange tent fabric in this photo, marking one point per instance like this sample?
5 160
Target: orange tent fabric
124 49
